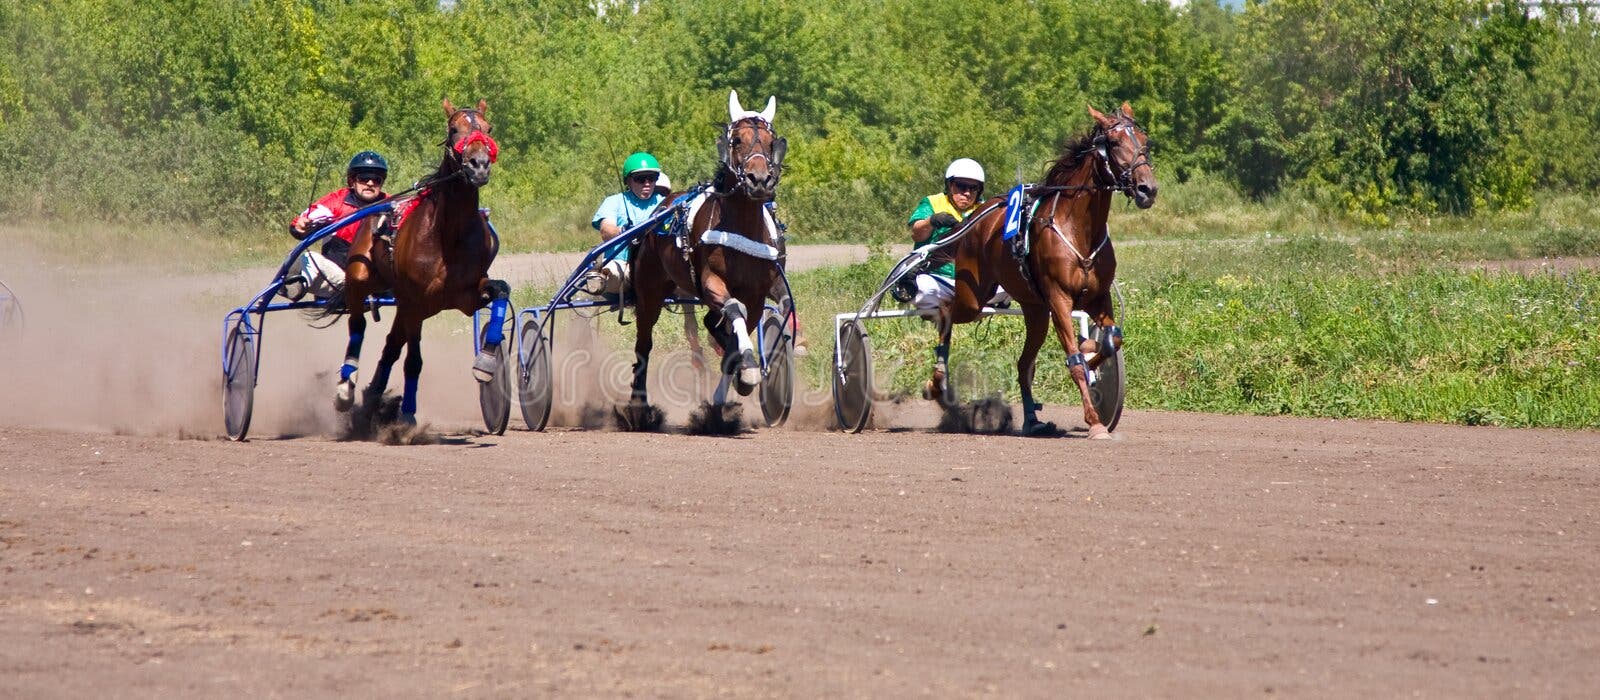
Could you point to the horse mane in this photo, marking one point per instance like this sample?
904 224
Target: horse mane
1071 157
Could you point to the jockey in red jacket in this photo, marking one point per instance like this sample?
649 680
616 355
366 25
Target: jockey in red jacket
323 273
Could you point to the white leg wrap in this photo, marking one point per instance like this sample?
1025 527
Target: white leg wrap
734 312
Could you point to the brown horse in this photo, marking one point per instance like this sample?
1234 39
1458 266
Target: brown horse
729 254
438 259
1070 262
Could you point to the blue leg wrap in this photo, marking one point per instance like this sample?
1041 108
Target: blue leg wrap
497 322
1075 360
1113 335
408 402
347 370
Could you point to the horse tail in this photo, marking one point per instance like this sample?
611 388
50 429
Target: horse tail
328 313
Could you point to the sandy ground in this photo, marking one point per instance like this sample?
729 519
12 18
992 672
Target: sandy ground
1192 556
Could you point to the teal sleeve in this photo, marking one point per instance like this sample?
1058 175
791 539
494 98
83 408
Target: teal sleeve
609 209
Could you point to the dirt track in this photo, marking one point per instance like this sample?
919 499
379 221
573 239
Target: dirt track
1195 555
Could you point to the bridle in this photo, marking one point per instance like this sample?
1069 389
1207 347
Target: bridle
1121 181
477 135
772 154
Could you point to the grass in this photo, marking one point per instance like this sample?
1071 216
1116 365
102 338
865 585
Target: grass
1381 325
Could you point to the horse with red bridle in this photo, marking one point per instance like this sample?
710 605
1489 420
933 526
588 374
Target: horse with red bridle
1063 261
728 254
437 259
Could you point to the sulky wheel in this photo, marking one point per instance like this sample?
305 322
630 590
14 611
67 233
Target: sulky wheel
1108 390
494 396
12 320
534 390
777 383
852 378
242 352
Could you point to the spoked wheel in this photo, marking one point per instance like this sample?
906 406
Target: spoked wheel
243 353
777 384
494 396
852 378
534 389
1108 390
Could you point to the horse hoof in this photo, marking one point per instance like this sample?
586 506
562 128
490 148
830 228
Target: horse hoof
344 396
749 378
409 419
1099 432
485 366
1039 429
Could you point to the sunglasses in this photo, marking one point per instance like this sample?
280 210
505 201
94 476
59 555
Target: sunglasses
965 187
374 178
643 179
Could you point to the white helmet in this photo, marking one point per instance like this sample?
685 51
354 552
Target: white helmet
964 168
663 182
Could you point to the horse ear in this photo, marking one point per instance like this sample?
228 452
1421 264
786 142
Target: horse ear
1099 118
780 146
735 111
1127 111
483 107
449 109
772 109
722 149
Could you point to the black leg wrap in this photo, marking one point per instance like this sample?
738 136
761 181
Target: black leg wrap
1111 338
498 289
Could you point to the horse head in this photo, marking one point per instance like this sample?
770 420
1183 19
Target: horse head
749 152
468 146
1125 150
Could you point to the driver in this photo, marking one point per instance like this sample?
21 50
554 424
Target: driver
619 212
323 273
934 218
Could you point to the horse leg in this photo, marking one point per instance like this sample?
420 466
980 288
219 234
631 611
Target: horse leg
344 396
1037 318
393 343
938 386
413 371
1061 313
645 314
1107 335
358 280
498 296
739 358
697 355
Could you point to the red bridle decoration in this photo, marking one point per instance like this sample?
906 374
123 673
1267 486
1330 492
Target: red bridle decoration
479 137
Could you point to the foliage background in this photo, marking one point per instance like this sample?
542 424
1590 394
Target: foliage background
230 114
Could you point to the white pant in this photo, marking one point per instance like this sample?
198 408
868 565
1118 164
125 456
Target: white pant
613 273
933 291
324 277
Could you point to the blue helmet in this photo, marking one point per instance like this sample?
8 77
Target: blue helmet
367 160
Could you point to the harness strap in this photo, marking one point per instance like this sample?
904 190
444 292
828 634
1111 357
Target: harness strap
729 239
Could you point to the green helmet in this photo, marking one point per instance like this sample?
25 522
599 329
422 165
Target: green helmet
640 161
